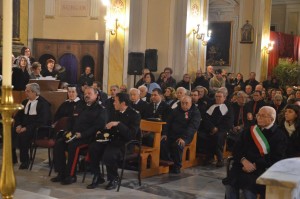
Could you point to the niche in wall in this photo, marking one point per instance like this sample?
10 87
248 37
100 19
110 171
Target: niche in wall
70 63
87 60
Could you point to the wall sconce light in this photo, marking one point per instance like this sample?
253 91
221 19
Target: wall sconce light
112 25
203 36
268 47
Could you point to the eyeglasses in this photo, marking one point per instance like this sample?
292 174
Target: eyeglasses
262 115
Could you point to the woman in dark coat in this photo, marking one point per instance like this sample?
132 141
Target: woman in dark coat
291 126
20 75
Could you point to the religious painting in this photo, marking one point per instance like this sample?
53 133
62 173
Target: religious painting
247 33
219 45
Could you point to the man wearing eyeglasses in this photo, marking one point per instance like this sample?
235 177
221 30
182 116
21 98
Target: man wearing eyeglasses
258 148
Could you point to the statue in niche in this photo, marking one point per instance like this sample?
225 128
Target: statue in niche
247 33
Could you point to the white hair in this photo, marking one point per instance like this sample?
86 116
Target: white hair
271 111
181 88
143 87
136 90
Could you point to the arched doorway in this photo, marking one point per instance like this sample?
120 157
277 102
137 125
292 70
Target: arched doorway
69 61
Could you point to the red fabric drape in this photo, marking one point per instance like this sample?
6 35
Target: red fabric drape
297 48
274 54
286 46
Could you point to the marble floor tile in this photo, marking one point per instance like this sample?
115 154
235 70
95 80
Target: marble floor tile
193 183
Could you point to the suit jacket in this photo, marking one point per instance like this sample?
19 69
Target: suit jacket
141 107
162 111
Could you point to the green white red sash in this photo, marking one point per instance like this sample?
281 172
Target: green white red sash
260 140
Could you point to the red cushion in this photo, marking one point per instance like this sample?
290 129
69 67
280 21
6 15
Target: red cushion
46 143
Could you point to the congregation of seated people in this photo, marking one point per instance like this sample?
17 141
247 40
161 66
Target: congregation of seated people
217 106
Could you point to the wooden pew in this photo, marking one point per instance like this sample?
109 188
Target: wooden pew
189 158
150 163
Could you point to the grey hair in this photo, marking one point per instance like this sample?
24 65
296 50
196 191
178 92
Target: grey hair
223 90
135 89
34 87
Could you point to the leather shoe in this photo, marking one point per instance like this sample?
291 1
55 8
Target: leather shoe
175 170
58 178
68 180
220 163
97 179
24 165
113 184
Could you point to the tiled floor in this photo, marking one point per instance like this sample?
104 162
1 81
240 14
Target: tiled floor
198 182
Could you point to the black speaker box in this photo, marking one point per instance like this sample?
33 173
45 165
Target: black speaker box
135 63
151 59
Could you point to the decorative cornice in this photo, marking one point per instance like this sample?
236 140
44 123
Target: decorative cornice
221 6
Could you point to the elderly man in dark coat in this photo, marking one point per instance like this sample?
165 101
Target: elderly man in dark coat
181 125
36 113
258 148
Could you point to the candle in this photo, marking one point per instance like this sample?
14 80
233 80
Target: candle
96 35
7 42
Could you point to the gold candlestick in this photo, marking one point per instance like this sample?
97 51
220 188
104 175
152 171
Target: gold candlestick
7 108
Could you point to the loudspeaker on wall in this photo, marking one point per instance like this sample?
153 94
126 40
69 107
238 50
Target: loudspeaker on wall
151 59
135 63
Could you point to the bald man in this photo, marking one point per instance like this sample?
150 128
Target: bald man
179 131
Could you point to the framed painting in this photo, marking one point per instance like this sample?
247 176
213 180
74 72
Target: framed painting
219 45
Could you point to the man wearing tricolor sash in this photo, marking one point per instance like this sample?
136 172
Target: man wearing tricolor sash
258 148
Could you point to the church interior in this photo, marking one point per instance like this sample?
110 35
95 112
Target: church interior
118 38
